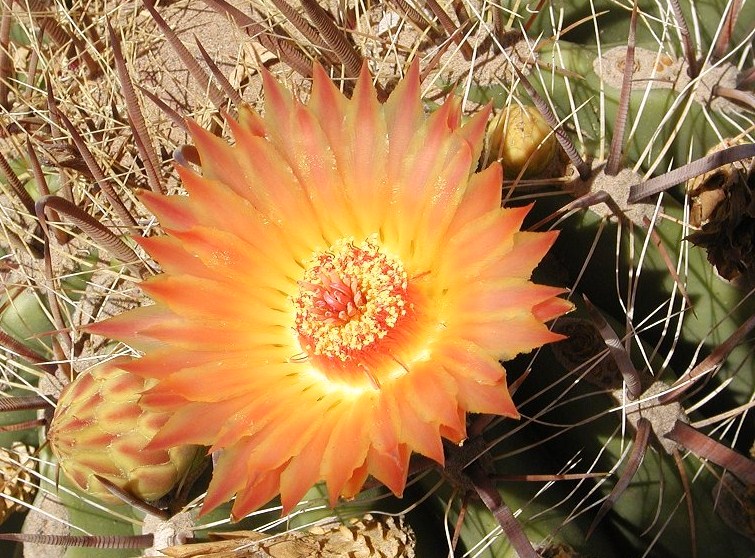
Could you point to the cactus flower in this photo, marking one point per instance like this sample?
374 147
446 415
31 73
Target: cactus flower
100 428
339 288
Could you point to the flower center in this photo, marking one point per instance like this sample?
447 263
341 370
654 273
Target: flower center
351 296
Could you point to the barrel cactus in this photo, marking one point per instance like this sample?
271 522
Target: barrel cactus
560 190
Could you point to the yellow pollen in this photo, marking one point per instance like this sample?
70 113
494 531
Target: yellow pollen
350 297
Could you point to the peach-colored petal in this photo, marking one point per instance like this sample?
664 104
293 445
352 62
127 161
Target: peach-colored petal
238 381
388 458
404 117
433 394
278 103
197 423
445 195
173 257
354 485
522 334
232 259
473 131
270 188
529 248
464 359
329 104
457 432
479 398
269 423
338 463
421 436
174 212
551 309
230 475
483 195
416 178
129 327
284 201
390 468
199 298
240 217
249 121
219 161
366 152
313 162
165 362
162 402
480 244
208 335
303 471
256 494
487 300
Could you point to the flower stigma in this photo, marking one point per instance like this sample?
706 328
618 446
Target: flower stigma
350 298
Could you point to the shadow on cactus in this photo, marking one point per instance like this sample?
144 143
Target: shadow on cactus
332 299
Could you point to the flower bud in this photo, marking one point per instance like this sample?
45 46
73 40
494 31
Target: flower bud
520 138
100 428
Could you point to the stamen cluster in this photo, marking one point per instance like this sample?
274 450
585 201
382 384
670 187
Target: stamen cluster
350 297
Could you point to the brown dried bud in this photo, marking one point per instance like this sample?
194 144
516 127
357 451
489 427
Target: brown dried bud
723 208
16 484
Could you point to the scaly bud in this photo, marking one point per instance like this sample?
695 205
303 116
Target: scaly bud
100 428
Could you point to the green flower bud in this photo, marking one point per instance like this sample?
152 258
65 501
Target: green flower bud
520 138
100 428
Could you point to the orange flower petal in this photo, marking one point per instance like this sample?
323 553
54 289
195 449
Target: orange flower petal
250 121
338 462
329 104
466 361
480 398
130 327
522 335
197 423
390 468
313 162
529 248
551 309
365 156
219 160
483 195
473 131
238 380
261 491
175 212
354 485
303 471
240 217
267 424
230 475
487 300
206 335
482 243
173 258
433 394
421 436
